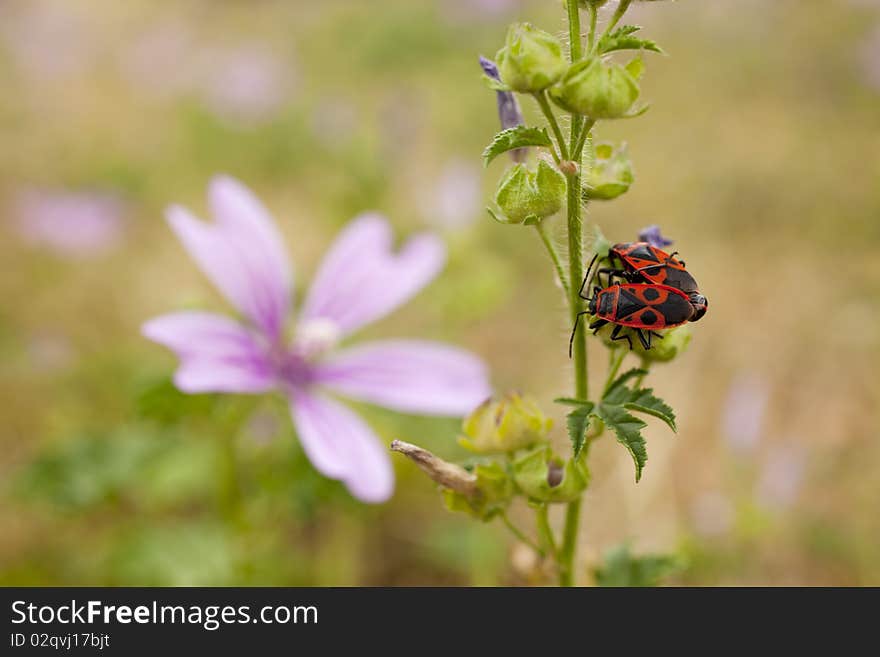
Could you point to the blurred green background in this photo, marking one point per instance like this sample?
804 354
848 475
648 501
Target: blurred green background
760 156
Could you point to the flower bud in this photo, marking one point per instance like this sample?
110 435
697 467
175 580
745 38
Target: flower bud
505 425
527 196
610 174
531 59
493 494
598 89
674 342
482 493
652 235
544 477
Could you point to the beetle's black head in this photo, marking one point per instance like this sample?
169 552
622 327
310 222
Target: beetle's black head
700 304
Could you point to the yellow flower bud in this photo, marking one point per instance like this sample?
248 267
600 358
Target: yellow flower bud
505 425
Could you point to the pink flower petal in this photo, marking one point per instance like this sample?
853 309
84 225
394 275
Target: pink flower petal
361 279
341 446
216 353
242 253
410 376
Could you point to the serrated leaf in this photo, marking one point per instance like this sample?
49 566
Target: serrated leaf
578 421
517 137
644 401
572 401
623 39
628 430
613 394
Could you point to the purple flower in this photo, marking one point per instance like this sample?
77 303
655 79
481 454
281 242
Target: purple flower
743 418
247 85
359 281
71 224
651 235
782 476
456 196
508 107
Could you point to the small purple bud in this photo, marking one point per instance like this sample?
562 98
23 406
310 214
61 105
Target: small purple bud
508 107
651 235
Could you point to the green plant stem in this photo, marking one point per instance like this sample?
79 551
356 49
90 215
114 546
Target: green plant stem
544 104
565 559
554 255
520 535
569 543
617 356
574 30
615 18
544 530
575 275
577 148
591 39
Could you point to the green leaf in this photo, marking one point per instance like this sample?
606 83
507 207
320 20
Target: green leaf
622 568
636 68
644 401
613 394
578 421
623 39
572 401
517 137
636 113
628 430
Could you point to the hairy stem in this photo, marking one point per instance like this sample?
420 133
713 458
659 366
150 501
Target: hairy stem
615 18
544 104
591 39
554 255
574 30
575 274
577 149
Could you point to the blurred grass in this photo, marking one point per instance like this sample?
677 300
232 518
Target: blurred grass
759 156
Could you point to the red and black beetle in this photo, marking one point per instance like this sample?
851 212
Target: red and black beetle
640 262
644 307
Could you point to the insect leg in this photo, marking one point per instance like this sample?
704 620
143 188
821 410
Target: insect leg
577 321
644 339
615 335
659 336
619 273
599 323
587 278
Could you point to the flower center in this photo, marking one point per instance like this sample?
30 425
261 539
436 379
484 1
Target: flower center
316 337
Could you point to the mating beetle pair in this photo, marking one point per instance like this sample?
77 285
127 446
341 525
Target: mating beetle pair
657 293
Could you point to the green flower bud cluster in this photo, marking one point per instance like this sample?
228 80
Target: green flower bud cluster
598 88
528 195
610 173
532 61
544 477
